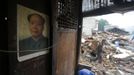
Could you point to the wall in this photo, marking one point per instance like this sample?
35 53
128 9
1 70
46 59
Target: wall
89 24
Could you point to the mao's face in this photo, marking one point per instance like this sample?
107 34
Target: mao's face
36 26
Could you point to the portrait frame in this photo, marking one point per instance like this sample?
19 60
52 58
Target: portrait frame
23 33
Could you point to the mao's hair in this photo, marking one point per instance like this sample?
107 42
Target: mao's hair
30 15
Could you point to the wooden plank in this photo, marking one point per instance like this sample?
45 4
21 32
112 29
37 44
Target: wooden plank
66 53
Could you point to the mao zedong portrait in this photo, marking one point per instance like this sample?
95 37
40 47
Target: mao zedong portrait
36 40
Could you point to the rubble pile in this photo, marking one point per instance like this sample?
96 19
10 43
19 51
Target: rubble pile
112 62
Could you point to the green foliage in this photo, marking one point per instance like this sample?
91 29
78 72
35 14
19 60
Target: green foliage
102 23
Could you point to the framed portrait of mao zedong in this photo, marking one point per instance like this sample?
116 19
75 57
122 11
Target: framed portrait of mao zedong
32 33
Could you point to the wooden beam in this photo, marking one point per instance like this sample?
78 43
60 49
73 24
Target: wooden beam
125 7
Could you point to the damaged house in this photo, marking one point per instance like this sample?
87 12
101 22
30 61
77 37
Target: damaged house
51 32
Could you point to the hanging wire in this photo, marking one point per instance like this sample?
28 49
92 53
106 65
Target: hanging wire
44 49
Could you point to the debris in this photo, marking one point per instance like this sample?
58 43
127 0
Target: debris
116 59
